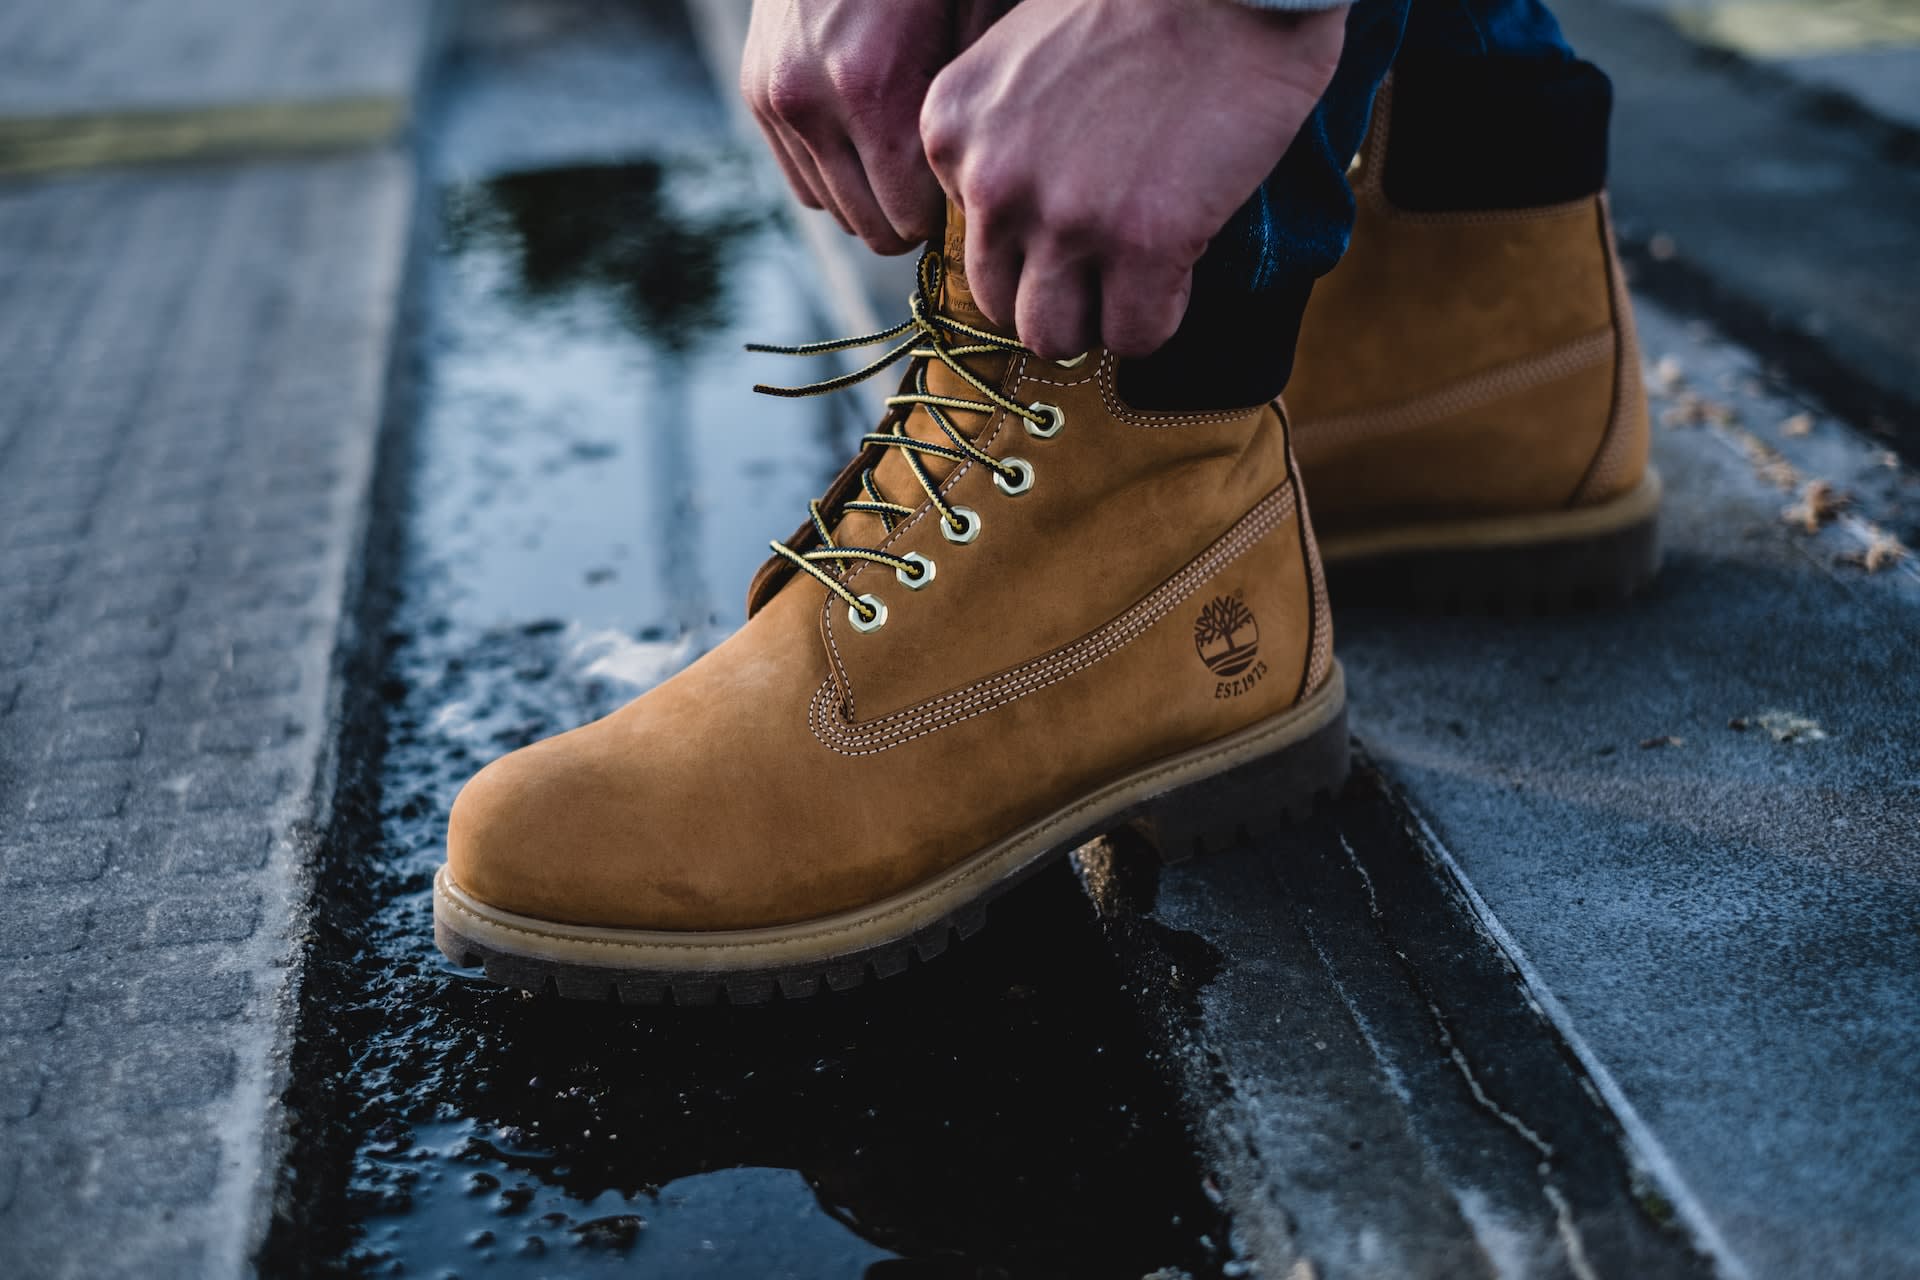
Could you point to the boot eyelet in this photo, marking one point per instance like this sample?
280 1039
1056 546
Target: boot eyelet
1023 482
877 621
969 520
1055 416
926 571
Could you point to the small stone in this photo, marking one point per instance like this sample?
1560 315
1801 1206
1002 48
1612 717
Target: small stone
617 1232
1819 504
1668 374
1882 551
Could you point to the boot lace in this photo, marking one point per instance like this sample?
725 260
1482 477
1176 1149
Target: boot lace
930 335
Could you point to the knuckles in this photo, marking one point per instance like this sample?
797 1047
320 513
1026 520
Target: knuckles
942 129
858 91
792 97
800 96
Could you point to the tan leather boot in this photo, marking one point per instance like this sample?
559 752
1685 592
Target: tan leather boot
986 647
1468 406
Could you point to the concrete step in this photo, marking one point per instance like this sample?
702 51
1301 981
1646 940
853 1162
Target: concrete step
192 373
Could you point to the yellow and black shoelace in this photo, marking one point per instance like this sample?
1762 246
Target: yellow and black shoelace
930 335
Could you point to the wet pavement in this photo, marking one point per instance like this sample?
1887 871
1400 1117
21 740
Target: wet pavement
589 486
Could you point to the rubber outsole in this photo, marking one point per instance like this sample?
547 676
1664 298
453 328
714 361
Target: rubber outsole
1554 562
1245 801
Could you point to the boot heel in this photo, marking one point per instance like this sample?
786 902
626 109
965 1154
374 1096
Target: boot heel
1248 803
1539 564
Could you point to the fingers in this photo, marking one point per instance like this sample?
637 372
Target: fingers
849 194
795 161
889 200
1057 312
798 166
1142 302
992 266
902 182
845 149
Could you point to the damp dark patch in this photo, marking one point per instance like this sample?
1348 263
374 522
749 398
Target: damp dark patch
998 1113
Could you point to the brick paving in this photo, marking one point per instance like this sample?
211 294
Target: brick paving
192 364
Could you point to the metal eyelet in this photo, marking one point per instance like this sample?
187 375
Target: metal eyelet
1075 362
1056 418
877 621
969 518
1014 488
926 571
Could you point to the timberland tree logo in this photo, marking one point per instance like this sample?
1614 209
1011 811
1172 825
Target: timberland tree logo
1227 638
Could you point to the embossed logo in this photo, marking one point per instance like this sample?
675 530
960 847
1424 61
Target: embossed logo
1226 636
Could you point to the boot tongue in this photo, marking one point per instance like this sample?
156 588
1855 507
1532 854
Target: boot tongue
956 296
892 475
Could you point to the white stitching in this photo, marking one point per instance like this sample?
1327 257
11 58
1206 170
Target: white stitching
1576 356
1110 397
998 691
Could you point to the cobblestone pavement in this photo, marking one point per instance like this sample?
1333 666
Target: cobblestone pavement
182 495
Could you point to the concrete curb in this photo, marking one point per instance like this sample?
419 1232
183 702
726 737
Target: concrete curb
184 519
85 84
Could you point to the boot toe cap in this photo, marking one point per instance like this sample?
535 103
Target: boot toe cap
573 831
516 839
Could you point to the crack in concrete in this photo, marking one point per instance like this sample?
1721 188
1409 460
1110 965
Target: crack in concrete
1565 1225
1646 1155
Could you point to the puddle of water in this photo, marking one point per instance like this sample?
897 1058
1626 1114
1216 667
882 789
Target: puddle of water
590 444
994 1115
773 1223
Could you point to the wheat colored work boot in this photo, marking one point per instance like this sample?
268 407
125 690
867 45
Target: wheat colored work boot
1023 615
1468 406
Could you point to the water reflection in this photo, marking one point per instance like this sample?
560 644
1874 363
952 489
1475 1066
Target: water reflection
654 240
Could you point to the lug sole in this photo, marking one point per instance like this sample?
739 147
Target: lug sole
1237 790
1552 562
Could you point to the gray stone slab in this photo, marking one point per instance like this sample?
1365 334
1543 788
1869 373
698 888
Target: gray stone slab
1377 1094
192 370
88 57
1720 898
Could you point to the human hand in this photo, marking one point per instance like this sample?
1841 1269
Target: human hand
836 85
1095 146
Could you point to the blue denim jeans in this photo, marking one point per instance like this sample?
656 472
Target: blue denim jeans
1235 346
